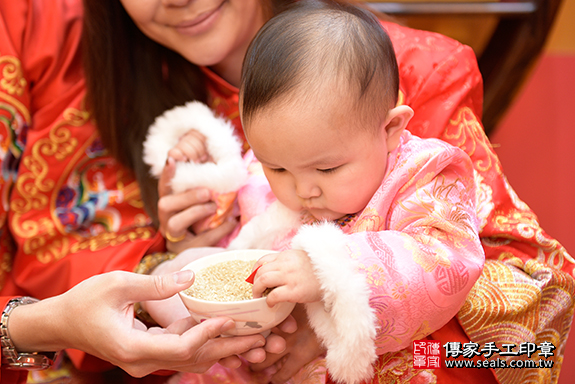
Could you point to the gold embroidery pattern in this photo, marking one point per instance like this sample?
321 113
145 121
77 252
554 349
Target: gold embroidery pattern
400 98
397 368
427 254
13 84
13 81
446 222
465 132
5 259
522 226
518 224
484 200
375 276
220 103
508 306
12 87
34 185
369 220
111 239
34 188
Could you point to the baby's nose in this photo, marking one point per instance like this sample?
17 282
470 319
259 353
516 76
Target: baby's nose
307 190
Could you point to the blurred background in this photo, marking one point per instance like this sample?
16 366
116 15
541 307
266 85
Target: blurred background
534 132
532 125
535 141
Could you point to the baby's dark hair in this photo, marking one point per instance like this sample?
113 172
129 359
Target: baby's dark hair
313 43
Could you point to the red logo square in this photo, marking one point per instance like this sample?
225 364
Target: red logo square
426 354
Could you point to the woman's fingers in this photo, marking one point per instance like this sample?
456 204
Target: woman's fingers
168 172
205 239
175 229
177 213
182 220
256 355
231 362
289 325
221 347
170 204
213 236
275 344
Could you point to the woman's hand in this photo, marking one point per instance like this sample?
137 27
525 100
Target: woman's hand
178 212
97 316
172 309
302 347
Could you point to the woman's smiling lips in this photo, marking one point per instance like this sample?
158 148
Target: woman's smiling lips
199 24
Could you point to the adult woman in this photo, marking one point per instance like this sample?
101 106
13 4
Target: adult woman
74 211
40 88
440 81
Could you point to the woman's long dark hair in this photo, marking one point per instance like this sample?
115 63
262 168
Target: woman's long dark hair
131 79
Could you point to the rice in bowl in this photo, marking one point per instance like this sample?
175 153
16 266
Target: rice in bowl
223 282
249 316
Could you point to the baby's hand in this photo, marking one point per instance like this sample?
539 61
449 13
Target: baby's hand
291 275
191 147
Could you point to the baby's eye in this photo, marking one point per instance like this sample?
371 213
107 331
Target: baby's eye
278 170
328 170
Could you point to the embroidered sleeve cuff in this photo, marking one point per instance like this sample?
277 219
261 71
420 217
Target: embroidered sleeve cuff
225 174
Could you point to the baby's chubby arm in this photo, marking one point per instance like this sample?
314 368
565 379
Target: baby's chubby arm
190 147
292 276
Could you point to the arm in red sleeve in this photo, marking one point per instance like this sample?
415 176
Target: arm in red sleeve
68 211
440 80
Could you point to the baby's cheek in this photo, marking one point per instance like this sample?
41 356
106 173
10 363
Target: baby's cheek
354 199
286 195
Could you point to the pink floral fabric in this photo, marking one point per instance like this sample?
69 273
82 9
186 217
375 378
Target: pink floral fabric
416 242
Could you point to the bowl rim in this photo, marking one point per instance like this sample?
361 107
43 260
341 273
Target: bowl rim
188 266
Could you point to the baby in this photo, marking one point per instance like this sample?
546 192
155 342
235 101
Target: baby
375 228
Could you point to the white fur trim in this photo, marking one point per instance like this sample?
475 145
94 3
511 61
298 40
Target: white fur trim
227 174
261 231
343 320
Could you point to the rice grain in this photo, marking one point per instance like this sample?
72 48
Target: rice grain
224 281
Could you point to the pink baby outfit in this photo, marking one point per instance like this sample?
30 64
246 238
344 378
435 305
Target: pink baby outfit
394 272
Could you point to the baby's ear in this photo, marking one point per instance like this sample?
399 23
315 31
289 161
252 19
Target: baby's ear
395 123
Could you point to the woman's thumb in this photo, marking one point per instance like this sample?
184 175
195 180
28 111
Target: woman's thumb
159 287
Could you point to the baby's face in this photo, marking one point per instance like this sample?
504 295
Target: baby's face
318 158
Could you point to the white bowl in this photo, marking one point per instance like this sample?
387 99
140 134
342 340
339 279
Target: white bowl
251 316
